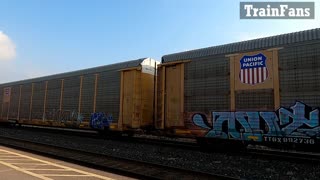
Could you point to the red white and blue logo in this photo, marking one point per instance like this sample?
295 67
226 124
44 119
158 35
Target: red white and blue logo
7 91
253 69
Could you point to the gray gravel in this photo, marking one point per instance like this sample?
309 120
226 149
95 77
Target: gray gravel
242 167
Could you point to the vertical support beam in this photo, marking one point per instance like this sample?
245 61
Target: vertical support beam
2 103
163 99
20 91
8 110
45 101
276 80
134 98
232 85
9 103
31 98
138 100
80 94
2 110
182 92
121 102
95 93
61 94
155 95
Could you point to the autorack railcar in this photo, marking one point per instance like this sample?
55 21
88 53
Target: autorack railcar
262 90
118 97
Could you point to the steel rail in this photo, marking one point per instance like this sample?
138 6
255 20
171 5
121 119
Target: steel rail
130 167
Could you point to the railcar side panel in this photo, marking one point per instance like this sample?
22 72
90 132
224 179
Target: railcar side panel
71 90
147 99
14 103
53 98
249 100
1 104
206 88
70 102
87 100
270 90
159 105
170 97
136 117
108 96
37 109
129 99
300 75
173 96
26 95
137 96
137 99
5 103
207 85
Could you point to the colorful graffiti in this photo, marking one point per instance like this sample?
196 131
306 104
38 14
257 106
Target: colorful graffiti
299 124
70 117
100 120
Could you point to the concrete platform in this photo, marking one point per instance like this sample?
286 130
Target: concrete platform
17 165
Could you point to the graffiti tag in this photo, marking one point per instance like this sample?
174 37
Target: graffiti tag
100 120
71 117
296 125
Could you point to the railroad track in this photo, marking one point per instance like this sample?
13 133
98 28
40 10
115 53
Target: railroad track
147 139
261 153
254 153
268 153
124 166
286 155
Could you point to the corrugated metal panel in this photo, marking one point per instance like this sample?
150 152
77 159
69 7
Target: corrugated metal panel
87 96
147 99
129 97
53 97
38 100
310 98
117 66
207 85
14 102
279 40
255 100
107 93
300 75
25 101
173 88
160 94
108 96
5 110
1 100
71 91
297 80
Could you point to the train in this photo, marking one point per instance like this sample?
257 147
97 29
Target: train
263 91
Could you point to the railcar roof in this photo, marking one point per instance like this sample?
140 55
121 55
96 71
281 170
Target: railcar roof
261 43
116 66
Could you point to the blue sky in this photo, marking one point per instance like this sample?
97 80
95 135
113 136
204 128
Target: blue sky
54 36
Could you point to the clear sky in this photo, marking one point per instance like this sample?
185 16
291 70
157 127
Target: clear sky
43 37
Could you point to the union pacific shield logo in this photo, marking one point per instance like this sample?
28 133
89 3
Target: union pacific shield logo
253 69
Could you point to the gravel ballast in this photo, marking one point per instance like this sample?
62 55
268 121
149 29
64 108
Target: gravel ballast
244 167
